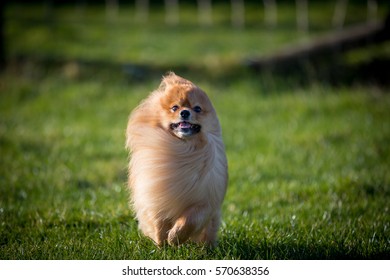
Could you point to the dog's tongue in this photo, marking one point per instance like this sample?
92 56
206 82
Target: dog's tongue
185 125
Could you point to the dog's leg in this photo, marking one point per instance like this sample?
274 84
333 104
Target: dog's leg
190 222
209 234
161 230
153 227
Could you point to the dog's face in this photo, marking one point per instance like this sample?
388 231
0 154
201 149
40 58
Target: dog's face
187 112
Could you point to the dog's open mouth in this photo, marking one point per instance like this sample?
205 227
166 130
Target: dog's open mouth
184 128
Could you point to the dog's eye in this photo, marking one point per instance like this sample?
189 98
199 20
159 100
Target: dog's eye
197 109
174 108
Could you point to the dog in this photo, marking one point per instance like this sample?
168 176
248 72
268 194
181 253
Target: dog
178 170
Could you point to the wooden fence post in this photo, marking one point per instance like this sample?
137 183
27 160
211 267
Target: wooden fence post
339 13
205 12
142 10
238 13
112 8
172 12
270 13
2 38
372 10
302 15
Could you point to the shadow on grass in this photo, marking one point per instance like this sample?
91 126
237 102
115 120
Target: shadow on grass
333 70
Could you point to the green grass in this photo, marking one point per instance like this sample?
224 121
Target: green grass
308 172
308 165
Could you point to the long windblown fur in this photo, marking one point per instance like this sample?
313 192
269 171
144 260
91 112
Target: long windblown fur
177 184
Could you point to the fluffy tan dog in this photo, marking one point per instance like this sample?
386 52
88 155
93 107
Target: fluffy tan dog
178 167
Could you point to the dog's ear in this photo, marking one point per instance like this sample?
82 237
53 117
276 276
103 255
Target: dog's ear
166 81
172 79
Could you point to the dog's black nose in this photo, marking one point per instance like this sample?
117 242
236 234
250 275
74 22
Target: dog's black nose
185 114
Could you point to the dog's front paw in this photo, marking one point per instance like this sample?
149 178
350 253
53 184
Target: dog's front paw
173 237
180 232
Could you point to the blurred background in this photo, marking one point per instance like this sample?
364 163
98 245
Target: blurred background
334 41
